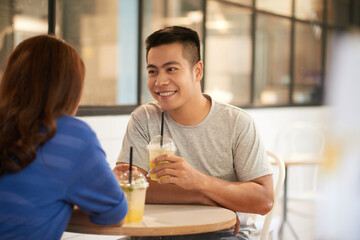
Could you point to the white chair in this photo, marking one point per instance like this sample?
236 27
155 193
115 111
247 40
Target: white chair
302 142
300 145
279 176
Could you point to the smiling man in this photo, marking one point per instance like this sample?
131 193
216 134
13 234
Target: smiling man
220 159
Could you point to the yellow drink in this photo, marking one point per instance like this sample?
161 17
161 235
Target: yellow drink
135 197
153 153
158 146
135 193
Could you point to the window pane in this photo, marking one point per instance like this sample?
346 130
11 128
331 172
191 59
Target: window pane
228 53
339 12
20 20
309 9
282 7
245 2
105 34
332 39
356 13
307 67
272 58
159 14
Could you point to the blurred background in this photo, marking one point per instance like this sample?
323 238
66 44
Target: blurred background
285 61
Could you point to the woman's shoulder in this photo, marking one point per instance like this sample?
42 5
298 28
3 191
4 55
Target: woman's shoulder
74 126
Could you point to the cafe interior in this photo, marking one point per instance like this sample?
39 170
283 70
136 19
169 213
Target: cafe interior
293 65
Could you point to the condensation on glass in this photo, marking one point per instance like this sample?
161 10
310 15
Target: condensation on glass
272 60
228 53
159 14
104 32
19 20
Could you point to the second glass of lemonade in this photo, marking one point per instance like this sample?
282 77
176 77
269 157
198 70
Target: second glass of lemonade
157 148
135 193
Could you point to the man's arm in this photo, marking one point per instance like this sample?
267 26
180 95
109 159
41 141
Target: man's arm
167 193
255 196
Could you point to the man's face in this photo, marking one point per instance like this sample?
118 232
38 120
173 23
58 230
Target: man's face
171 80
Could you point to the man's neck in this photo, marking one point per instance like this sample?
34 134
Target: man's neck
193 113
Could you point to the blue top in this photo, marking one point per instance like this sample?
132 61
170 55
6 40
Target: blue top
70 169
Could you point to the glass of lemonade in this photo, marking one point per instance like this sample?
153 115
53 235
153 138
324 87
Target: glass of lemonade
157 149
135 193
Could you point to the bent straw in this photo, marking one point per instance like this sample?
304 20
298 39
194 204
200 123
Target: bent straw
131 163
162 129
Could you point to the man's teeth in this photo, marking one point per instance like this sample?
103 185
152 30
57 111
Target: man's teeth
164 94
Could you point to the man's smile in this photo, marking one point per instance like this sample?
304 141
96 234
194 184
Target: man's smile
165 94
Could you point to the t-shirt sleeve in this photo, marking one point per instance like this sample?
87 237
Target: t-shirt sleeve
250 159
93 187
136 136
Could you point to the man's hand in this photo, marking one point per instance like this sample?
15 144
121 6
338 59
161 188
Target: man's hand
181 172
236 227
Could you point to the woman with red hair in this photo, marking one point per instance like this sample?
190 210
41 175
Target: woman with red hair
49 160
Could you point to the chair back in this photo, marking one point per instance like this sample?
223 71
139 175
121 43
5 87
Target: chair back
302 142
274 159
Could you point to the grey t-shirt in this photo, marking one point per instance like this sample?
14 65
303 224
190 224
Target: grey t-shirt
226 144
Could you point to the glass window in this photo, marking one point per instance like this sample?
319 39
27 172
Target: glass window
356 13
339 12
105 34
333 35
272 60
20 20
159 14
308 66
244 2
282 7
309 10
228 53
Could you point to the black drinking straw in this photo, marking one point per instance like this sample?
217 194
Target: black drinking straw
162 129
130 167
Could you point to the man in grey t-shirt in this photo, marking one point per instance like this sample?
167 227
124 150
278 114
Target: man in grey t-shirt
220 159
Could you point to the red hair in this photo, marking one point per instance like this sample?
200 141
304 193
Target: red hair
43 80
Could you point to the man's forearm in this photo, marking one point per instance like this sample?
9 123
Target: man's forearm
170 193
252 197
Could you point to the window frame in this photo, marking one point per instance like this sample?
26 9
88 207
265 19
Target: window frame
100 110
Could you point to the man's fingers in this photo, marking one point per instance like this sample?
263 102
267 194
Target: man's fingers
165 157
124 167
237 226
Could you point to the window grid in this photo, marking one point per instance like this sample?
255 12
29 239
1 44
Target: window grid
126 109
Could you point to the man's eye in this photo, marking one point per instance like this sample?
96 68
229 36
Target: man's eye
150 72
171 69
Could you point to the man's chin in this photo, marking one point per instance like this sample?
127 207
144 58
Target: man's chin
165 107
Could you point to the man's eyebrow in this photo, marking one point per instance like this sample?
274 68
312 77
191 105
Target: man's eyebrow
151 66
164 65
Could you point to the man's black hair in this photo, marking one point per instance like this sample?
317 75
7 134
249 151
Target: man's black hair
177 34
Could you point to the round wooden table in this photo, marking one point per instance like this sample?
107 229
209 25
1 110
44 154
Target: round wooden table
166 220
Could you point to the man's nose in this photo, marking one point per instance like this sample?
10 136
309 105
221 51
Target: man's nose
162 79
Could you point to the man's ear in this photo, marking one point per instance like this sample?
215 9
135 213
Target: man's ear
198 71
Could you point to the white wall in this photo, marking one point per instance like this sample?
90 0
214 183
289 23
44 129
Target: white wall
111 129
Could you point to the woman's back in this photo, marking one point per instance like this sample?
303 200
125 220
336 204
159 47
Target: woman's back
37 202
49 160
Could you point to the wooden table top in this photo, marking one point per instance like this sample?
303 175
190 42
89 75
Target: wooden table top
168 219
